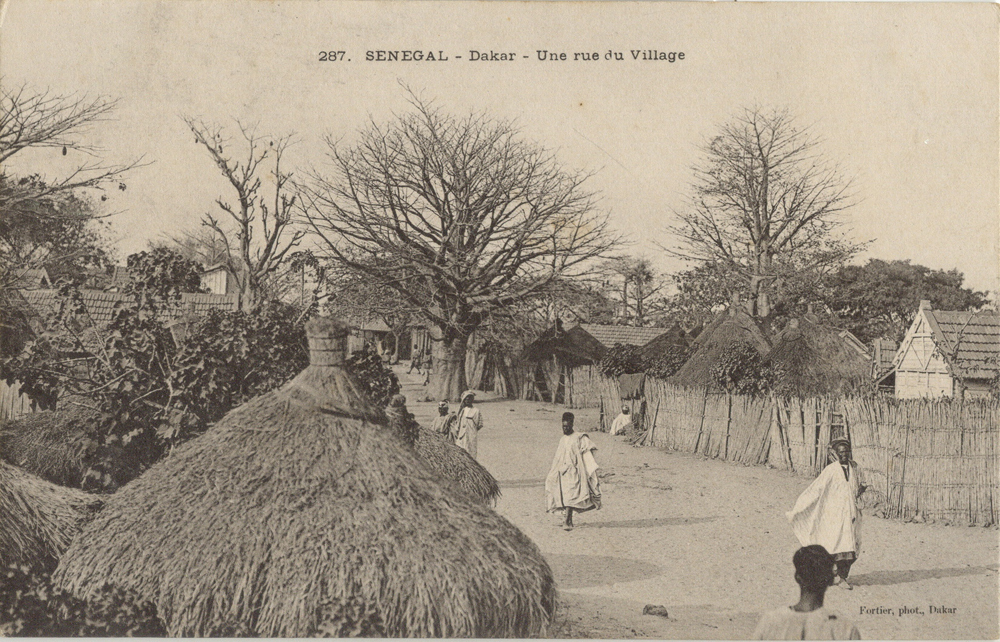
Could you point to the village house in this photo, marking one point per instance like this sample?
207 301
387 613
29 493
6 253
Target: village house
948 354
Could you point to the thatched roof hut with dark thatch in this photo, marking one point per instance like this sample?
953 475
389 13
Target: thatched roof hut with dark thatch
814 359
38 519
728 328
301 513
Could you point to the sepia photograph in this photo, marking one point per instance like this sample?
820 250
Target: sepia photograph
455 319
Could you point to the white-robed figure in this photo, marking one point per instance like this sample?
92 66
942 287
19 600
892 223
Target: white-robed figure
572 483
826 513
470 422
622 422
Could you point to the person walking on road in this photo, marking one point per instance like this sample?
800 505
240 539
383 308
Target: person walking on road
416 361
826 513
572 483
470 422
808 619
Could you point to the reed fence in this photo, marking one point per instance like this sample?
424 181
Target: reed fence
936 459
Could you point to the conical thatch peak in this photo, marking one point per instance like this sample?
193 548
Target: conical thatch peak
814 359
301 513
728 327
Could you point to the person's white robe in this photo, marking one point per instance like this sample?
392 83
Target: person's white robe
572 481
470 422
826 513
621 423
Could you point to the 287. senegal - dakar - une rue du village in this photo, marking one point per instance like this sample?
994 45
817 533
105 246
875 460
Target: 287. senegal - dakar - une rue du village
541 55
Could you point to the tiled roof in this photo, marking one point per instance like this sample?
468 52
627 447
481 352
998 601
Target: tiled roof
969 341
883 354
609 335
100 305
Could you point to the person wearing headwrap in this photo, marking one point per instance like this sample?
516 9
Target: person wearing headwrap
826 513
622 422
444 423
572 483
470 422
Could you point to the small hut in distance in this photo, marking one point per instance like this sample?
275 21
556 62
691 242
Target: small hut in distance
814 359
728 328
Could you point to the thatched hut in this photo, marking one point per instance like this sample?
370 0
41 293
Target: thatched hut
301 513
728 328
38 519
814 359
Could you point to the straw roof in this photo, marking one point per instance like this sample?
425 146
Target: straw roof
448 462
300 513
457 467
50 444
726 329
814 359
38 519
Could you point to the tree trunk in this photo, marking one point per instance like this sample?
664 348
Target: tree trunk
449 380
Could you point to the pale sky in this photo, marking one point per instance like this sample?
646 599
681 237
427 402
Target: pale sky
904 95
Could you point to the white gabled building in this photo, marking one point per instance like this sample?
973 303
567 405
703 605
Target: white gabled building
948 354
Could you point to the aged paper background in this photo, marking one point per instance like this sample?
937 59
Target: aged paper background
905 97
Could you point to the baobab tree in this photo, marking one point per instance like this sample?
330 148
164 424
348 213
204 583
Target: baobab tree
765 205
460 216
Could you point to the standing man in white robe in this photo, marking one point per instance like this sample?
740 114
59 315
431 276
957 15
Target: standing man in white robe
572 483
827 514
470 422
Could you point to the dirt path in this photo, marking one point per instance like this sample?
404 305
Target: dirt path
709 541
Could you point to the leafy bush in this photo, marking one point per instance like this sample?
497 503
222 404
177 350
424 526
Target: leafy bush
30 606
742 370
380 382
622 359
629 359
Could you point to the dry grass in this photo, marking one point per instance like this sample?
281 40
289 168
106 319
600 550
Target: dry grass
38 519
49 444
300 513
454 465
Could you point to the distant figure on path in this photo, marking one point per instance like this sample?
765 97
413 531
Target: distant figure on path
827 514
470 422
428 364
444 423
808 619
416 361
572 483
622 422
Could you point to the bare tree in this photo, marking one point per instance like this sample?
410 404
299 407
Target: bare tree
459 216
764 204
256 229
41 119
52 221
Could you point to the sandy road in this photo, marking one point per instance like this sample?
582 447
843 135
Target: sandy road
709 541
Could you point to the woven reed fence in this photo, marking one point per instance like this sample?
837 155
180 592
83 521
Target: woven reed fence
936 459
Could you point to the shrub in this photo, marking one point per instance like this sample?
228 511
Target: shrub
30 606
380 382
742 370
622 359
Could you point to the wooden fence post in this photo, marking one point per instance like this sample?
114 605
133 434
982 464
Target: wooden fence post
701 425
729 422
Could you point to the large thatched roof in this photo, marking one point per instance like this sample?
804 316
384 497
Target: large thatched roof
815 359
300 512
38 519
726 329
